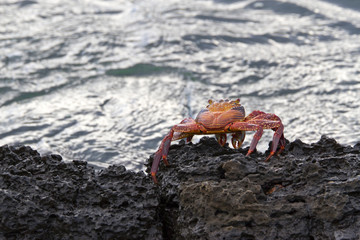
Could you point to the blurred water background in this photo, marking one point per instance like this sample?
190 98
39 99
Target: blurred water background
104 80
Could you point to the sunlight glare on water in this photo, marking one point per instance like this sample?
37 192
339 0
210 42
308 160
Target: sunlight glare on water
104 81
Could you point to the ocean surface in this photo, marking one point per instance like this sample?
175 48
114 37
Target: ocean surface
104 81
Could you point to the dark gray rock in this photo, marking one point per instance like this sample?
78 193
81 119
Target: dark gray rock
46 198
311 191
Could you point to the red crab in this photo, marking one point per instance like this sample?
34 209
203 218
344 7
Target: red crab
219 118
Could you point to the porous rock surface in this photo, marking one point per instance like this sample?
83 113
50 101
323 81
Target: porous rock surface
311 191
42 197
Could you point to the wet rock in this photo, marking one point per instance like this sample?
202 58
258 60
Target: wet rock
43 197
311 191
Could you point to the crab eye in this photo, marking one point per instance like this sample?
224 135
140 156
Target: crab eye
237 100
210 101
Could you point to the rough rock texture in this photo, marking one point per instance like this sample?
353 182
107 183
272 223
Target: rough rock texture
207 192
309 192
46 198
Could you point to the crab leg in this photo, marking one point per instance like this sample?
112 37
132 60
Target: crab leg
282 143
257 124
248 127
254 114
161 153
188 127
277 136
270 121
255 140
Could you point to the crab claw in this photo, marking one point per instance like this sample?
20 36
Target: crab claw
221 138
161 153
238 139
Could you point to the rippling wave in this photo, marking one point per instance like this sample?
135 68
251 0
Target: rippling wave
103 81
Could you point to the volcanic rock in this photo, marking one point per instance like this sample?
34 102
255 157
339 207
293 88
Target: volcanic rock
310 191
43 197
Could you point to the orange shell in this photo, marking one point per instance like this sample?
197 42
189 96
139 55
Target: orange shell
218 114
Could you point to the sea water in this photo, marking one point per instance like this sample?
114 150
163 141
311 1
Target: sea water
104 81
